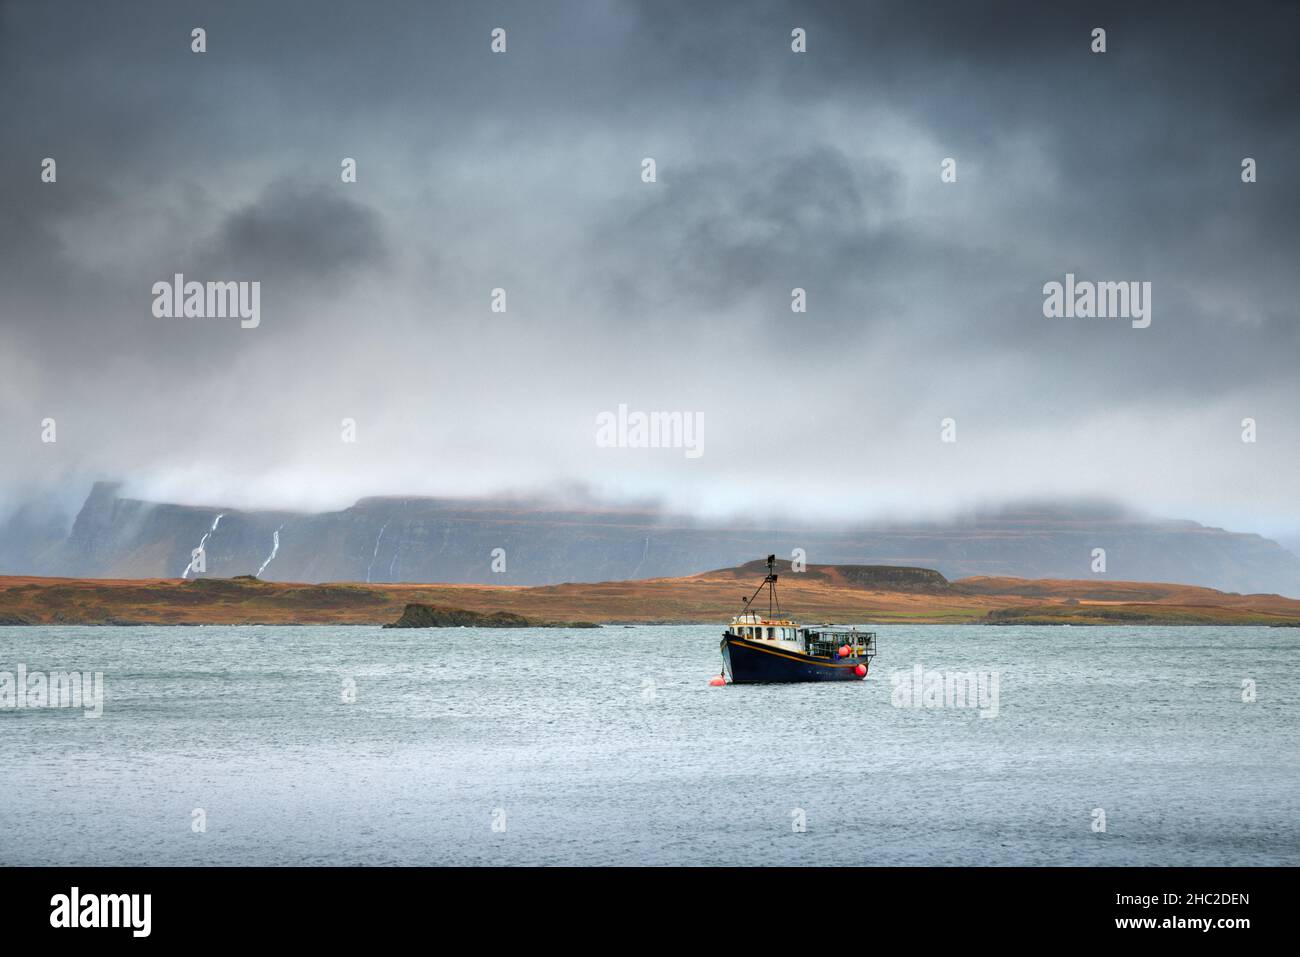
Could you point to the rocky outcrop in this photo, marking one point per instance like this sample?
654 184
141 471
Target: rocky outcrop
893 578
417 615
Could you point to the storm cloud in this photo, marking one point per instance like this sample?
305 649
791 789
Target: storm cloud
775 170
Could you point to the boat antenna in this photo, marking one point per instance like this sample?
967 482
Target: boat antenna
770 582
771 591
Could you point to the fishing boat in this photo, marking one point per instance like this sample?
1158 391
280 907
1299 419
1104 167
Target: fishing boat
772 648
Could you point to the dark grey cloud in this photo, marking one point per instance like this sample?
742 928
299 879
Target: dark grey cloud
303 234
776 170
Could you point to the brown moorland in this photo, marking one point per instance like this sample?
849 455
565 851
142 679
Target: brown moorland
842 593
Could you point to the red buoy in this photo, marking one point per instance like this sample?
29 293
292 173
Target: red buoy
845 651
860 671
718 681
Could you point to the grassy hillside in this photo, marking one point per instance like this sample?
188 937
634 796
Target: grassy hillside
843 593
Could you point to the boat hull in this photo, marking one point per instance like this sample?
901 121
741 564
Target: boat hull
750 662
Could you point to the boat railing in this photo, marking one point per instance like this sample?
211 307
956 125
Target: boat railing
826 642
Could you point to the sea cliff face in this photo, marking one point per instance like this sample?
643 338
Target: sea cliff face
382 540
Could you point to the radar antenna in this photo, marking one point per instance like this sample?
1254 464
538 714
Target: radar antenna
770 582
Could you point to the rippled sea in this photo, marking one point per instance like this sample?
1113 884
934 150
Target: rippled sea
468 746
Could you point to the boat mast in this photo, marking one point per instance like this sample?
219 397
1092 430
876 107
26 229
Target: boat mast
770 582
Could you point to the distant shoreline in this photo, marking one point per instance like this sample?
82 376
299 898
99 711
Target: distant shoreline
877 595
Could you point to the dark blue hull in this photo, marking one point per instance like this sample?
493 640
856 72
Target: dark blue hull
752 662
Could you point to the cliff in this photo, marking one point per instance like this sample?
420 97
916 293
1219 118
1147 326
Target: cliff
395 540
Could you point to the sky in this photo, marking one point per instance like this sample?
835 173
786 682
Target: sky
774 170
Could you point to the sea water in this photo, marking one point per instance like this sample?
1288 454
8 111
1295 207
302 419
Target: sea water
359 745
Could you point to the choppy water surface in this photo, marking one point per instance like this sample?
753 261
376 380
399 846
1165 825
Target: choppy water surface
608 747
